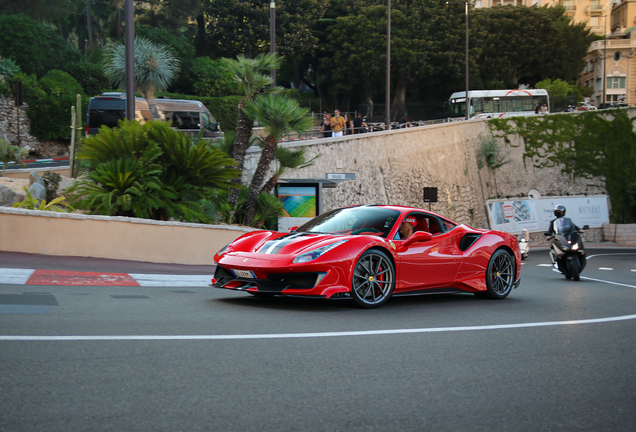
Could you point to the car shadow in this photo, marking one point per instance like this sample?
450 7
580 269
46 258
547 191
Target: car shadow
325 305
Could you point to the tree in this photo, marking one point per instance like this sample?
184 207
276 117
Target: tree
280 116
518 44
242 26
591 144
155 68
251 77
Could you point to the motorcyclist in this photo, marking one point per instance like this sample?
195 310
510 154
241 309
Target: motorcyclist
559 212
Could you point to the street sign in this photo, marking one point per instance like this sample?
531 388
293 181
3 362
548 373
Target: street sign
340 176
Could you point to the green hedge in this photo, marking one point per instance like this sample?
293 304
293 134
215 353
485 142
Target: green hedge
224 109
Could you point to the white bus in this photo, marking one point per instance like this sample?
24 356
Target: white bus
497 103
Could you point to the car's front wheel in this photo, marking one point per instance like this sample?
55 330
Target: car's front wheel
373 279
500 275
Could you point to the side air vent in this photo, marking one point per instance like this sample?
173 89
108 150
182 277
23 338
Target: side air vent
467 241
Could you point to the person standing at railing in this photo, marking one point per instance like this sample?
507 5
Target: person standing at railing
347 124
337 124
358 123
325 126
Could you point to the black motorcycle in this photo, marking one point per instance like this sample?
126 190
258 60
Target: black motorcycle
567 250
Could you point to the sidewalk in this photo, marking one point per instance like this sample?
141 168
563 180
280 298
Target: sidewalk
38 269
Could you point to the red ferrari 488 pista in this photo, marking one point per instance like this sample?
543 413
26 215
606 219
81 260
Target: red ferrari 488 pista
370 253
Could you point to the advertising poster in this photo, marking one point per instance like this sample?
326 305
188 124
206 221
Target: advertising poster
299 203
535 214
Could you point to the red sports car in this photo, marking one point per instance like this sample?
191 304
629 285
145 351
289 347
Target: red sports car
371 253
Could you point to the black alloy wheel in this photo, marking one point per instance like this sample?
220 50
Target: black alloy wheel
373 279
500 275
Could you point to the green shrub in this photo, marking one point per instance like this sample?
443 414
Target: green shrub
90 76
211 79
149 171
50 100
31 203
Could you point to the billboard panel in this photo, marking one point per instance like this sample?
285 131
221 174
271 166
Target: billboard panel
535 214
300 204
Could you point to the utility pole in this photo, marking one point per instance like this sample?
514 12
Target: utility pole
130 61
387 119
272 36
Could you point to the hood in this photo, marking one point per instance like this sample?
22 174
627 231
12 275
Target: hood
297 243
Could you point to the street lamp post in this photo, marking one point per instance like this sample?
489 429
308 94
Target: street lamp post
130 61
272 36
604 80
467 63
387 120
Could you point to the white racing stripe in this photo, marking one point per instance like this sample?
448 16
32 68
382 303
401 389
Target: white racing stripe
15 276
320 334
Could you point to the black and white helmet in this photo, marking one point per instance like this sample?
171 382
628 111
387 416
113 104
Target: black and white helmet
559 211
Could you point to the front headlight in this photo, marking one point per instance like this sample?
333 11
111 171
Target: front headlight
312 255
575 246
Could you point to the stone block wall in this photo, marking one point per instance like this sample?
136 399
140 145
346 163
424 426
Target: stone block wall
393 167
9 116
623 234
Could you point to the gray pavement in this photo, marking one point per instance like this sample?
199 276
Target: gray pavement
557 355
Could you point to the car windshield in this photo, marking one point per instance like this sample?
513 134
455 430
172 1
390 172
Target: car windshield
353 221
564 226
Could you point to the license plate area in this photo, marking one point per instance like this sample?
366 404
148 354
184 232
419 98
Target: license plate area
244 274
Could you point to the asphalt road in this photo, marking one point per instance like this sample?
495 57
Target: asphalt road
557 355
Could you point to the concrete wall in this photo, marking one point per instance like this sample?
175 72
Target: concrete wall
393 167
622 234
67 234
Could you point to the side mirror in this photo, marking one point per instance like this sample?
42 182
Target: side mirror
586 227
292 229
547 233
417 237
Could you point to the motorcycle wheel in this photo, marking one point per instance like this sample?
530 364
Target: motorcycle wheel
575 269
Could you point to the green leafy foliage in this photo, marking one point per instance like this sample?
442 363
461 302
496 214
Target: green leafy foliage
8 68
89 75
50 100
210 78
491 154
25 41
591 144
149 171
56 205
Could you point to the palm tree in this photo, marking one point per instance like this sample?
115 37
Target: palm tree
155 68
252 77
287 160
280 116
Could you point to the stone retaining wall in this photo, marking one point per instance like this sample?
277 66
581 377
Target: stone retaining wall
393 167
623 234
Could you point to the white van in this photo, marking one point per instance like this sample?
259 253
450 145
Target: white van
187 116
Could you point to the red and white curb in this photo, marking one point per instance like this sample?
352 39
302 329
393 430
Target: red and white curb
75 278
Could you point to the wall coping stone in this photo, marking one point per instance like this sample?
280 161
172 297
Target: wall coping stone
52 214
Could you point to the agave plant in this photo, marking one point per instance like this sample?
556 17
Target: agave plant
8 68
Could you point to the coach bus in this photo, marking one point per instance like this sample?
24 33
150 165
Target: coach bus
497 103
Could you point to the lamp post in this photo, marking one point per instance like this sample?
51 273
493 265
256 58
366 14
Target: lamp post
467 64
387 120
272 36
604 80
130 61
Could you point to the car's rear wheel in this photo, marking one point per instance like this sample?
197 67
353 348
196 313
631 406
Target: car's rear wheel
500 275
373 279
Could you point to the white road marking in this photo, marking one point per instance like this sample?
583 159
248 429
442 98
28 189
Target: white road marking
318 335
605 268
172 280
608 282
618 253
544 265
15 276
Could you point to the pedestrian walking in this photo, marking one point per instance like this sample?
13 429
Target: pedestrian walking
325 126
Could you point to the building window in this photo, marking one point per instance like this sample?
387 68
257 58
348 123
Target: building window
617 56
616 82
599 85
594 21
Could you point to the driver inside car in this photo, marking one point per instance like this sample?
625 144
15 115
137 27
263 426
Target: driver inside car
406 229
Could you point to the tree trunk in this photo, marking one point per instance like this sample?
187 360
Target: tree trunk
267 156
296 74
241 143
398 108
271 183
201 43
89 27
149 95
